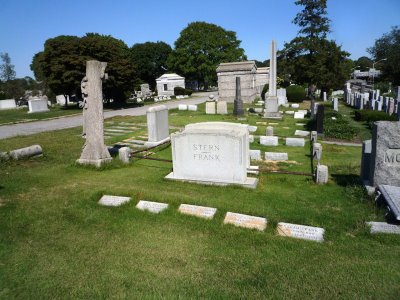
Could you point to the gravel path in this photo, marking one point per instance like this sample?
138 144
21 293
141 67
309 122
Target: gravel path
28 128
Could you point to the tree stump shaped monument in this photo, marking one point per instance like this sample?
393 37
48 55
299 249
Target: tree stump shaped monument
94 151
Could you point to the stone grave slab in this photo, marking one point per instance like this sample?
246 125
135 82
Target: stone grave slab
261 123
222 108
276 156
108 200
303 111
182 107
198 211
383 227
302 133
210 108
153 207
301 231
252 128
298 115
295 142
192 107
289 112
391 194
269 140
255 154
295 105
245 221
300 124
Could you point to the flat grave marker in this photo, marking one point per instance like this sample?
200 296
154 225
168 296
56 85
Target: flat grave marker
198 211
108 200
383 227
245 221
153 207
301 231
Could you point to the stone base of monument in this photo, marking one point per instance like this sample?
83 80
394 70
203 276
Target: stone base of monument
94 162
250 182
153 144
272 115
370 189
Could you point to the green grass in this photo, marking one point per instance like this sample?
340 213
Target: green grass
57 242
22 115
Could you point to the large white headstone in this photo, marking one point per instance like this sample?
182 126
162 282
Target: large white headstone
212 153
7 104
157 125
37 105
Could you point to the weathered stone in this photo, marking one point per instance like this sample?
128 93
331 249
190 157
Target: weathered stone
255 154
366 160
157 125
314 136
153 207
8 104
192 107
252 128
302 133
94 151
34 150
182 107
280 156
298 115
238 103
301 231
245 221
295 142
383 227
317 151
295 105
198 211
210 108
391 195
37 105
108 200
322 175
269 140
385 154
222 108
289 112
269 131
335 104
272 103
124 154
251 138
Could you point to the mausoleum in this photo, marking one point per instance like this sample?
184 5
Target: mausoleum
167 82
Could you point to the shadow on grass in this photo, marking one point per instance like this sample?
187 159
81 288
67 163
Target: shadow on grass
346 179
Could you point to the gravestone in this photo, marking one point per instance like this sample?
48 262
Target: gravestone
385 154
317 151
251 138
301 231
298 115
365 161
314 136
255 154
124 154
153 207
271 102
276 156
182 107
157 125
269 131
107 200
245 221
335 104
252 128
192 107
31 151
94 151
295 105
302 133
8 104
222 108
320 119
295 142
324 96
37 105
383 227
391 196
198 211
212 153
145 89
322 175
210 108
238 103
269 140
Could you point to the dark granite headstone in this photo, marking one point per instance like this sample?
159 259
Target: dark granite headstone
238 103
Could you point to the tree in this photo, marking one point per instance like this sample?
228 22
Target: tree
151 60
364 63
310 58
200 48
7 71
388 47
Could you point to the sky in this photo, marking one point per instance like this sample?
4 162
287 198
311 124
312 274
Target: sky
26 24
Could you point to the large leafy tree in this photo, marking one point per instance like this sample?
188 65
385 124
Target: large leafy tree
200 48
310 58
388 47
7 71
363 63
151 60
62 64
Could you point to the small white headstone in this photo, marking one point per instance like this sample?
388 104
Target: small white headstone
289 112
182 107
222 108
124 154
322 174
301 231
259 110
269 140
192 107
295 142
276 156
245 221
298 115
153 207
383 227
198 211
108 200
295 105
251 138
302 133
252 128
255 154
210 108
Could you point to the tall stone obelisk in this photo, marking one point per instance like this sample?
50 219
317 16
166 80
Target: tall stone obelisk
238 103
271 103
94 151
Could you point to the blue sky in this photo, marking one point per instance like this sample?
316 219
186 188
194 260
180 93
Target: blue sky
26 24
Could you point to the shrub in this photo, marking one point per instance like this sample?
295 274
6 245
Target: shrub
264 91
180 91
295 93
338 128
372 116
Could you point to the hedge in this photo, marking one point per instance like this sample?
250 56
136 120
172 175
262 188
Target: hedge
295 93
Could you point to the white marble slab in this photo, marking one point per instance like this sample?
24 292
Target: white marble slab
108 200
153 207
276 156
269 140
301 231
245 221
302 133
252 128
383 227
295 142
255 154
298 115
198 211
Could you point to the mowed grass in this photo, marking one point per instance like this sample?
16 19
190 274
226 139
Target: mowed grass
57 242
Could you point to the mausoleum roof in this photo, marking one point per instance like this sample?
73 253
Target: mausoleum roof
171 76
237 66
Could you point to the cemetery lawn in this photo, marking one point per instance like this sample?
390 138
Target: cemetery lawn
57 242
11 116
